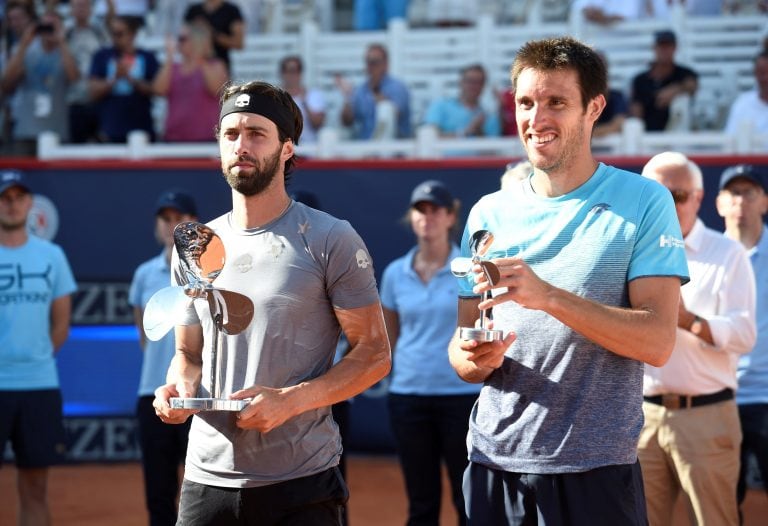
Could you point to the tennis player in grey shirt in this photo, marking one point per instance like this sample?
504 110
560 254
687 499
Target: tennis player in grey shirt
309 276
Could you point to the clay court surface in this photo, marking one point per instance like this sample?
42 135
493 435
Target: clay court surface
111 494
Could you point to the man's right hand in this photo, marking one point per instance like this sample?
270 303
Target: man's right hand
162 405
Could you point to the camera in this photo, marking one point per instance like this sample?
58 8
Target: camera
44 28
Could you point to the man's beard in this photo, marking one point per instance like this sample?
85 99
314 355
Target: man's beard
264 173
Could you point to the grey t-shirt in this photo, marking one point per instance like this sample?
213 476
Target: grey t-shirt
295 270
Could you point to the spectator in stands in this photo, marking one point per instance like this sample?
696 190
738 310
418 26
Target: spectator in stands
376 14
134 11
41 70
507 118
653 90
19 15
163 447
121 82
310 101
742 203
34 324
380 107
227 25
611 120
463 116
85 38
690 438
751 108
191 86
429 405
607 12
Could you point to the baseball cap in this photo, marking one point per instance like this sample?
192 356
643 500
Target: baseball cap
178 200
743 171
665 37
434 192
9 178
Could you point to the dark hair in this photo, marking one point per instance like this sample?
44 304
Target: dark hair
292 58
281 97
131 23
473 67
564 53
380 48
27 7
762 54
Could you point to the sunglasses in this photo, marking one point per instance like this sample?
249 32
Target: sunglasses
182 38
680 196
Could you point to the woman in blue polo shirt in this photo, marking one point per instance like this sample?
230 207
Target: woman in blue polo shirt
429 405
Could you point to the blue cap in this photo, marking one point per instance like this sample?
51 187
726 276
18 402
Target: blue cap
10 178
434 192
178 200
742 171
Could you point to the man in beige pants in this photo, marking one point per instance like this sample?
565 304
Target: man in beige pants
691 437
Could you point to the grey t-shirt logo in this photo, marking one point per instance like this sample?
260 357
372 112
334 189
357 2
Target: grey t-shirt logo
362 259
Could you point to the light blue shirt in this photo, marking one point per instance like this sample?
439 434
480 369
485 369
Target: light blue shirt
752 371
451 116
151 276
364 107
561 403
427 315
32 276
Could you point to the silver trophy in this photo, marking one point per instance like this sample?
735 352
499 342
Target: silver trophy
479 244
201 256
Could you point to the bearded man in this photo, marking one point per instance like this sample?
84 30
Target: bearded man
276 460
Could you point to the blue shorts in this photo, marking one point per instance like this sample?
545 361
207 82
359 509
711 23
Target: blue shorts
315 500
606 496
34 423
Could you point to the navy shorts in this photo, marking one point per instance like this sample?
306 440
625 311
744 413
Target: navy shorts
606 496
34 423
315 500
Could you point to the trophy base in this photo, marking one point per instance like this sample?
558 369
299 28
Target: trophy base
481 335
208 404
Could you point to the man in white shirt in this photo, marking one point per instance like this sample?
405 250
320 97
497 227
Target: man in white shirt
691 437
752 106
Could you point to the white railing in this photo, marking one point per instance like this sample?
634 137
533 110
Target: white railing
427 144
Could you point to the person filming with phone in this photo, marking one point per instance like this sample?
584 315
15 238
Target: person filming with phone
39 71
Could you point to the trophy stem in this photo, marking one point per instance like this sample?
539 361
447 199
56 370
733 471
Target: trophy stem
484 312
215 356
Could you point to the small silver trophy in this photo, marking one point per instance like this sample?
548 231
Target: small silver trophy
202 257
479 244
